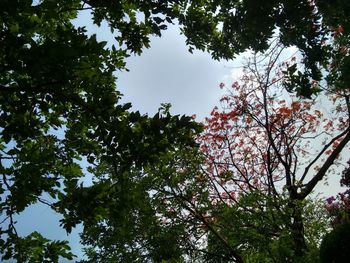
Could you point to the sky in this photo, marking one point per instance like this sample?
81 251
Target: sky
164 73
168 73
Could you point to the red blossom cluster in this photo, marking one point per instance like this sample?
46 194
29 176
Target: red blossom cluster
260 134
238 139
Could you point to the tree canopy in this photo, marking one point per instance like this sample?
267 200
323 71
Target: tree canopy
246 196
151 194
227 28
266 139
60 104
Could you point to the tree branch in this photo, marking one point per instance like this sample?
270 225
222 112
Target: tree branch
321 173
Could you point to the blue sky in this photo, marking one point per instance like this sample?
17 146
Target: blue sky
167 72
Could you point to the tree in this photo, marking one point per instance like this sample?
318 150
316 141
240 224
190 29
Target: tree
59 105
125 224
256 227
227 28
130 231
249 198
246 198
268 140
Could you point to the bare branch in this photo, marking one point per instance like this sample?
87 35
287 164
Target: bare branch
323 170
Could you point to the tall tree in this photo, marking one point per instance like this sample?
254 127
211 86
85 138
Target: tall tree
268 140
143 226
246 198
59 105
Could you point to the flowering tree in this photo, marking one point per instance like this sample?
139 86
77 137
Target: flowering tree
245 197
267 140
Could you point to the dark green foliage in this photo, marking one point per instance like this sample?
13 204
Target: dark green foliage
139 225
226 28
36 248
250 226
259 228
335 247
60 104
251 24
165 245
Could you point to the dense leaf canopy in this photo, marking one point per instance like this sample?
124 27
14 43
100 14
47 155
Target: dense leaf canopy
227 28
60 107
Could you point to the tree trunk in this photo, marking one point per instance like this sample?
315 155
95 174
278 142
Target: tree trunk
297 229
